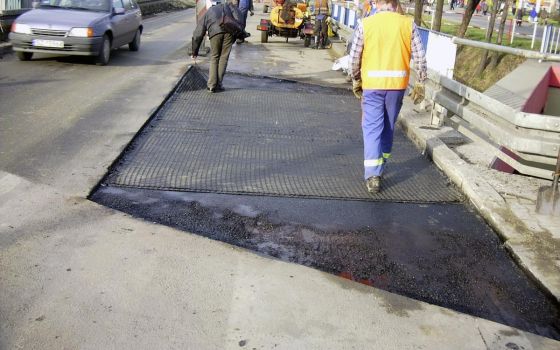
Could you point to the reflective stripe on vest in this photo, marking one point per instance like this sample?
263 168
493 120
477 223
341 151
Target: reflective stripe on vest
387 51
387 73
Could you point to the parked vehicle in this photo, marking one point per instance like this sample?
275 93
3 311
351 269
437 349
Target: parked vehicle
77 27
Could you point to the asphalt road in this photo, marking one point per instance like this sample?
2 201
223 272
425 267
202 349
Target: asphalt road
56 114
481 21
441 253
55 109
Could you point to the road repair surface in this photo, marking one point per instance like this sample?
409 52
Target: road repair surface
299 146
78 275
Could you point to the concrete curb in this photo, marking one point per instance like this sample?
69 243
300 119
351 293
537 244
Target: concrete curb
489 203
5 48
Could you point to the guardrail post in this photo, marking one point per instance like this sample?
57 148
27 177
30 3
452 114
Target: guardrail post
439 113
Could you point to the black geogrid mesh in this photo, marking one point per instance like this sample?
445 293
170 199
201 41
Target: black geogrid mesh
269 137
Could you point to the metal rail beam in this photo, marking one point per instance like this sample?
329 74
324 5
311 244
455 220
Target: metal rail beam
506 49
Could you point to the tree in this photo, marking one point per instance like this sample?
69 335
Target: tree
418 8
437 15
489 32
469 10
503 20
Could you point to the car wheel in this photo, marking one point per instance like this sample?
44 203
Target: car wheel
104 52
24 56
264 36
134 45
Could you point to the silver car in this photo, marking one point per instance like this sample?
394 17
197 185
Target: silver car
77 27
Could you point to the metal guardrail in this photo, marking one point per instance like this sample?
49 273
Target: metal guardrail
533 138
507 49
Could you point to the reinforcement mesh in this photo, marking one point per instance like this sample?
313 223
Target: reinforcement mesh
269 137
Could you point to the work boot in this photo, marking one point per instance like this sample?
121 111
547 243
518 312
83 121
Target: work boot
373 184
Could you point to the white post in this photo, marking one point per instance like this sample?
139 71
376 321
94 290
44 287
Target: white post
556 47
432 21
534 35
545 29
550 44
513 30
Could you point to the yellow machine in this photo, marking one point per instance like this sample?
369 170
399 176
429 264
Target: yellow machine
294 21
289 20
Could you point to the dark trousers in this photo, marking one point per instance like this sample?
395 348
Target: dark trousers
220 48
244 12
321 32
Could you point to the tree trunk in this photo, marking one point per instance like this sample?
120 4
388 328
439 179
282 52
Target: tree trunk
469 10
503 21
489 32
418 9
438 14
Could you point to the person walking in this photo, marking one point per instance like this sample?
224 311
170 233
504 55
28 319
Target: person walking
321 12
381 51
246 7
220 40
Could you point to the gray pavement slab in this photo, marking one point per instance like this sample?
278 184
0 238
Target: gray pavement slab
77 275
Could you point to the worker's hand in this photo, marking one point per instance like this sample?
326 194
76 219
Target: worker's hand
418 93
357 88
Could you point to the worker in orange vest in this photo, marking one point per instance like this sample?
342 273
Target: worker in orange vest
321 11
381 51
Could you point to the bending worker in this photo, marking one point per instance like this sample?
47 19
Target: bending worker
220 41
381 50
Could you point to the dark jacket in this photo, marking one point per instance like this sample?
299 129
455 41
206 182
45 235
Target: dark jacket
211 23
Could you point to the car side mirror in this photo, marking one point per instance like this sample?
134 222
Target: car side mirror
118 11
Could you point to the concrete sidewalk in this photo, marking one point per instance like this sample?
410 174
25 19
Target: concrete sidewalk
78 275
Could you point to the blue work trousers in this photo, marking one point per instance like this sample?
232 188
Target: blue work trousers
380 109
244 12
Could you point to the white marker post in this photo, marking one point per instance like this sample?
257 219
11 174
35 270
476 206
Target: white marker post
534 35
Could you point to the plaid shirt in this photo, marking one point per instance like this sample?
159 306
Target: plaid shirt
418 54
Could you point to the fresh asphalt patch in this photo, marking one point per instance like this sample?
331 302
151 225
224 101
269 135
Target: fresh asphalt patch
275 167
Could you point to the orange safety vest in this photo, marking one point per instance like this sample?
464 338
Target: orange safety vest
387 50
321 7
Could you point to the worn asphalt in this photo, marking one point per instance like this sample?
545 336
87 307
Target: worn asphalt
77 275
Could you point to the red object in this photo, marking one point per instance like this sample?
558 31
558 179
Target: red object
500 165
